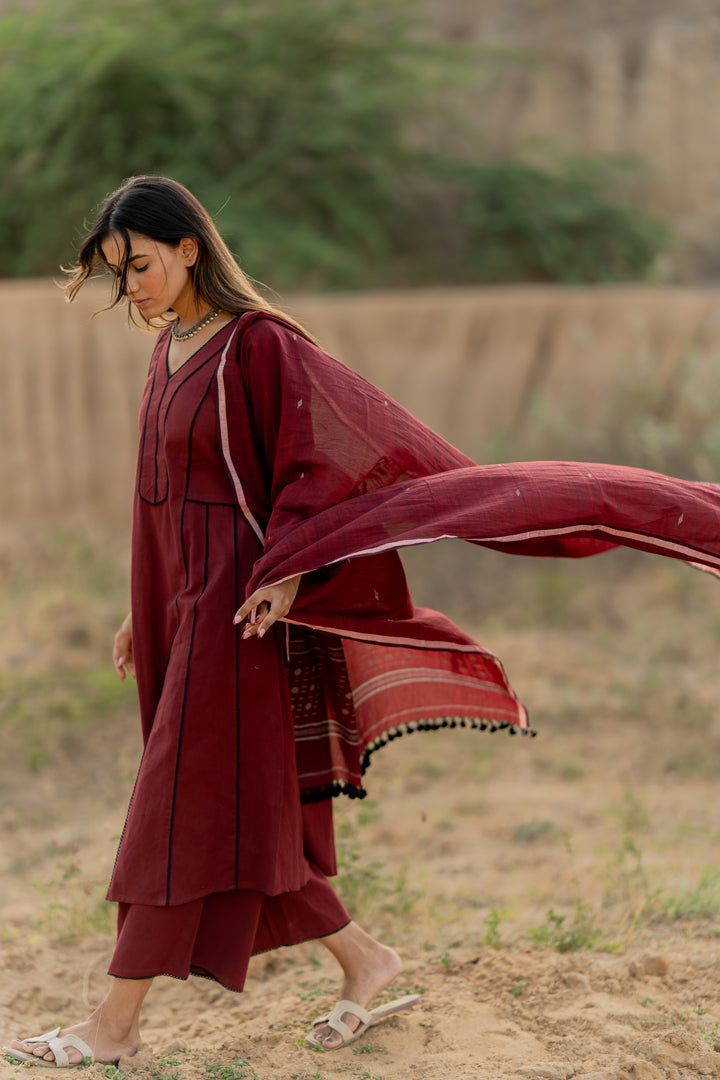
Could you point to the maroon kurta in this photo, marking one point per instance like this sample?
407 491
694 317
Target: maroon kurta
216 805
263 457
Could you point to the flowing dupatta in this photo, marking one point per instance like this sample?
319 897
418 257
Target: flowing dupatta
334 477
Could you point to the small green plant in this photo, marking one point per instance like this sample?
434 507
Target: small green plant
369 1048
710 1033
702 902
492 934
446 960
235 1071
630 885
77 907
518 990
580 933
365 885
679 1018
161 1068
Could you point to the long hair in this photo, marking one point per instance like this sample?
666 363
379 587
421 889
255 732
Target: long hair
165 211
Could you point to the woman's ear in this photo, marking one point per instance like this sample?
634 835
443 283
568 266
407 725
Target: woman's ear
188 250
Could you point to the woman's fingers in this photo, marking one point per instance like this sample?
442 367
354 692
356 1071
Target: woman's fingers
271 616
124 663
260 619
255 607
249 608
123 659
266 606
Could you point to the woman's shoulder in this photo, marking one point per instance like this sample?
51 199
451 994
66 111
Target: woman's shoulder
268 328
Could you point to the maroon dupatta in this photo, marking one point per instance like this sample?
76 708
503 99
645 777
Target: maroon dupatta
334 476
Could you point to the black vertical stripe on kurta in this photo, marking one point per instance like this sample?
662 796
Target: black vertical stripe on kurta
184 703
237 697
192 632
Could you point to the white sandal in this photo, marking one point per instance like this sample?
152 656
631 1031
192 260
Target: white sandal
56 1046
335 1020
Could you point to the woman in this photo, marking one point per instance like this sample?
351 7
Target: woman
273 484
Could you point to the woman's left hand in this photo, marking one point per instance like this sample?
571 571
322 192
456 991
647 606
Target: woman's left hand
266 606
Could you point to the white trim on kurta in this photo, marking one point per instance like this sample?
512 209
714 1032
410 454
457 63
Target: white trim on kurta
225 443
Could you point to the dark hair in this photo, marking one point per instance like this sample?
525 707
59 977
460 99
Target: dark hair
165 211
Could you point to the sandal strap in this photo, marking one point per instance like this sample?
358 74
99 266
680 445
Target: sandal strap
56 1046
44 1038
336 1022
350 1007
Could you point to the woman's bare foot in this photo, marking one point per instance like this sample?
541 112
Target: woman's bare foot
106 1046
368 967
111 1032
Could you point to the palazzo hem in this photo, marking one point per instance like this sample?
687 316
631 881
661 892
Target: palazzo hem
204 974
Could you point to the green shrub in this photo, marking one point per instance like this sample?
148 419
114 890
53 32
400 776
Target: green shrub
522 222
311 132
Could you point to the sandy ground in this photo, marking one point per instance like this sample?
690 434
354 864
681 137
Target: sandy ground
555 900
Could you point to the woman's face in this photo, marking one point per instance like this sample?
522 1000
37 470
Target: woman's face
158 275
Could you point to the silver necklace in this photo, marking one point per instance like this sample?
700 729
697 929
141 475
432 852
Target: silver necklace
185 334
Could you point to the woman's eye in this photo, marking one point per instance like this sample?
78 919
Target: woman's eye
141 269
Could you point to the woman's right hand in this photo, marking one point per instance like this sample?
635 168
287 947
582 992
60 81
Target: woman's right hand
123 649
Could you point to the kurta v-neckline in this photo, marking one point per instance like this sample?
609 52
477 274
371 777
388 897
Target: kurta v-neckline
193 355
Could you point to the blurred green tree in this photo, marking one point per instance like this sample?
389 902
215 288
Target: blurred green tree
311 131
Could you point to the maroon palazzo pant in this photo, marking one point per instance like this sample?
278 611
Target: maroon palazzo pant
215 935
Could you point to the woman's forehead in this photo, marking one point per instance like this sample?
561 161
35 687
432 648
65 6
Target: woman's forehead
116 249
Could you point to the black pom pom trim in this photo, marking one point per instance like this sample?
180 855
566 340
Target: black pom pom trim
337 787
